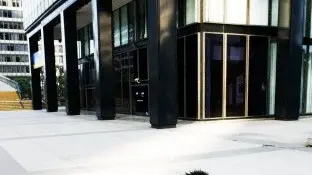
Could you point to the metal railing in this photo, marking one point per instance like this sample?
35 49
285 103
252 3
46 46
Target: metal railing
10 82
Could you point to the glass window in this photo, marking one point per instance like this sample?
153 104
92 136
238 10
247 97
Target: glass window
214 11
124 25
272 77
192 12
236 75
131 20
309 18
259 12
214 74
306 81
284 14
141 18
236 11
116 29
274 13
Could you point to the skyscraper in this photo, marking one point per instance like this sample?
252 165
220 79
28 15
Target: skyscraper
14 61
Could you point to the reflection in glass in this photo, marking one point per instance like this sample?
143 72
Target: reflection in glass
191 11
284 13
131 21
141 18
236 68
214 10
258 56
236 12
214 74
259 12
124 25
272 77
116 28
308 61
306 81
274 13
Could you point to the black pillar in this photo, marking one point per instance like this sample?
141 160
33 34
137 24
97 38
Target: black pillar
162 51
49 69
69 38
103 59
35 74
289 61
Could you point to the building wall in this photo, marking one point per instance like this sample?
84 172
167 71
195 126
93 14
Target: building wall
34 8
232 27
14 59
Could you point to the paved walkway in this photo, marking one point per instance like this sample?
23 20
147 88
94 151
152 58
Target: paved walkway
38 143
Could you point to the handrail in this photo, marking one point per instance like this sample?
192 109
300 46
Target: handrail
10 82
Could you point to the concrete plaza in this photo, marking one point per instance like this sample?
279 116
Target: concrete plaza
40 143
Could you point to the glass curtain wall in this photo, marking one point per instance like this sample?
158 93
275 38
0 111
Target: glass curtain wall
241 12
214 74
130 23
306 75
240 75
236 75
130 62
237 12
85 47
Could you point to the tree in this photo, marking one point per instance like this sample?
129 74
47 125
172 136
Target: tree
60 81
24 83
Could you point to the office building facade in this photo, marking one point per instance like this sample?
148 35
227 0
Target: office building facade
13 44
170 59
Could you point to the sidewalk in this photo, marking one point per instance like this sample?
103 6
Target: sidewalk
40 143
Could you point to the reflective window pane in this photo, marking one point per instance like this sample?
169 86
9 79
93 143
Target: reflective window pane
306 81
259 12
274 13
124 25
214 75
192 11
236 11
116 28
214 11
284 13
272 77
236 76
257 86
141 18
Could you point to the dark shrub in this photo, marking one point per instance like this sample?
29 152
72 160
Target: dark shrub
197 173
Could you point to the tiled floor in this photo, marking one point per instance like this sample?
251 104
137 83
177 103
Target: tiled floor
40 143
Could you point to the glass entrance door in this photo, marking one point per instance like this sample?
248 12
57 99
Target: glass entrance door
139 82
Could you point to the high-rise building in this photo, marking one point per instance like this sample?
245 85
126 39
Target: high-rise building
170 59
14 60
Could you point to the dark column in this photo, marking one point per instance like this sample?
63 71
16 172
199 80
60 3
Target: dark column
35 74
49 70
103 59
69 38
289 61
162 53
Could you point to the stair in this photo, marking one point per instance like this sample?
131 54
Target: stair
9 96
15 105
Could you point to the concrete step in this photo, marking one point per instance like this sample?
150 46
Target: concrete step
15 105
